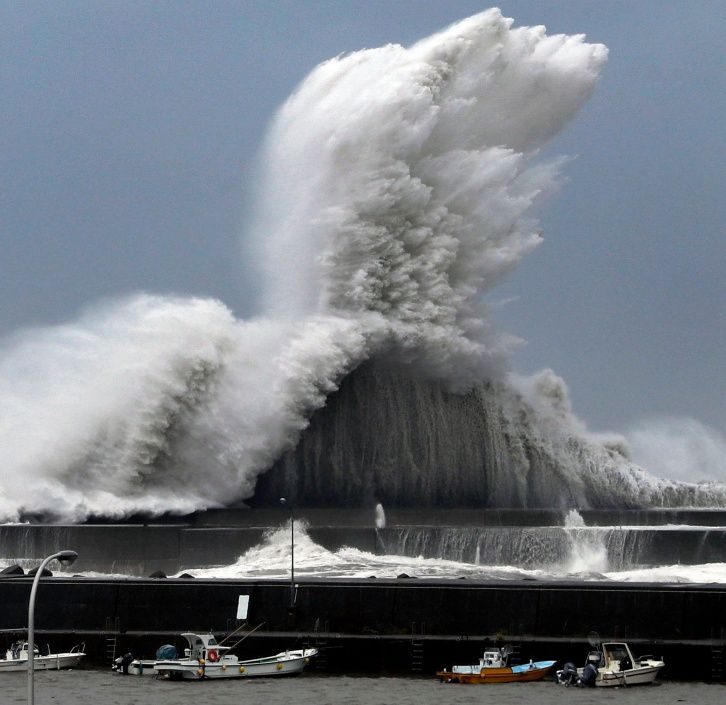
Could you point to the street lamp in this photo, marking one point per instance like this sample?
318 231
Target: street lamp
65 558
287 504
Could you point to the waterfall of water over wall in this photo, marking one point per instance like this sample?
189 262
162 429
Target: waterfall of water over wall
390 436
599 549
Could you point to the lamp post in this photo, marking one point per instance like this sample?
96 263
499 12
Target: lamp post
287 504
65 558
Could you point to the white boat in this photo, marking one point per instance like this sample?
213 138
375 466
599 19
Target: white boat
16 658
205 658
615 665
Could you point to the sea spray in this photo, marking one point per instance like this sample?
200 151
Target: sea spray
397 189
156 405
679 448
588 552
395 193
401 180
380 517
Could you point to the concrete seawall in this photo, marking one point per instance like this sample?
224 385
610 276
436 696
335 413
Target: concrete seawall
371 625
378 624
495 537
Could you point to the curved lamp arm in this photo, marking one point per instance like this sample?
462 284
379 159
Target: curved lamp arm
66 558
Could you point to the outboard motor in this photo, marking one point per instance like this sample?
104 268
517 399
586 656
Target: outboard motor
589 674
567 675
122 663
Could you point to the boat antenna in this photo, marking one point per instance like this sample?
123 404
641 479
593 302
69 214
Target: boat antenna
252 631
241 626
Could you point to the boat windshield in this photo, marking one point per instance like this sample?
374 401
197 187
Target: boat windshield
617 652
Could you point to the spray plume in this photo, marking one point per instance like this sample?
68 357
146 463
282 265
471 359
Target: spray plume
397 189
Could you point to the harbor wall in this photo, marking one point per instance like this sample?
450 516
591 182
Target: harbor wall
444 619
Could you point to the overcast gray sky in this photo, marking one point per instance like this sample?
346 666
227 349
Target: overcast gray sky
129 130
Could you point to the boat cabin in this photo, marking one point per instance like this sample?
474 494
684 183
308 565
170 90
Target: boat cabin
200 646
616 656
491 659
19 650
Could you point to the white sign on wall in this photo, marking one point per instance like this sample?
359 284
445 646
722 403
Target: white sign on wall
242 606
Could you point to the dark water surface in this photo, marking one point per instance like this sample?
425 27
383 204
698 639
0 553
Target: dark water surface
105 688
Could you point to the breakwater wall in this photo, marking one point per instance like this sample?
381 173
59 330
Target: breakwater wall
526 538
140 551
379 625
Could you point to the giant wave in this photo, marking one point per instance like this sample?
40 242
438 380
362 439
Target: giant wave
397 189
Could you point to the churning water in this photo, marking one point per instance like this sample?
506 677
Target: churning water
583 555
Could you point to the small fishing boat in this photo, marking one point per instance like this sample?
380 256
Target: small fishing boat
610 664
16 658
615 665
493 668
206 658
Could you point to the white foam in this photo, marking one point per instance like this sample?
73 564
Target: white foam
380 517
680 448
397 189
701 573
271 559
401 180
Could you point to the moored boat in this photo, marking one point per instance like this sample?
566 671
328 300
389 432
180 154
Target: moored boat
16 658
615 665
493 668
205 658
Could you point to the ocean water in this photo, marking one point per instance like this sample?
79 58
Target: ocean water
92 687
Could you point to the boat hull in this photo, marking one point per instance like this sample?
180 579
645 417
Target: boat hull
284 664
42 663
139 668
634 676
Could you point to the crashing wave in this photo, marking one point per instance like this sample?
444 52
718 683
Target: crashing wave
397 190
388 436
